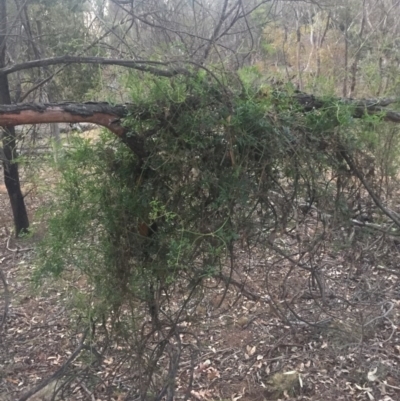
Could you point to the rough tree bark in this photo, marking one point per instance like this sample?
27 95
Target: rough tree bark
103 114
111 116
11 175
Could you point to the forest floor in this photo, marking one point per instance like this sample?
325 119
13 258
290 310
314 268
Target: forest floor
274 337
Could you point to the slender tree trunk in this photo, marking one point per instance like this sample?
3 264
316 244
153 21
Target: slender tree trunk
321 39
46 90
346 62
357 56
11 175
298 56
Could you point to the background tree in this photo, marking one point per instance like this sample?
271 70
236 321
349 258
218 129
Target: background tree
11 176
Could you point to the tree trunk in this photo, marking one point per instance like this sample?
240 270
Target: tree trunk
11 175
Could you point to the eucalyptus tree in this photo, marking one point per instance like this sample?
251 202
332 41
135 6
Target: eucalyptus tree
11 175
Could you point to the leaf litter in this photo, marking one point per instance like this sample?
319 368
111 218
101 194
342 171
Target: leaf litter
272 336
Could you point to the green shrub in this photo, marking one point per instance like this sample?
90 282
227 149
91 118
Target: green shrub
222 165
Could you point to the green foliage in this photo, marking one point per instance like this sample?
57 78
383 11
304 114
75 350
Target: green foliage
220 165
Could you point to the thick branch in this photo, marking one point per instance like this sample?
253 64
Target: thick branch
147 66
360 106
102 114
110 116
35 113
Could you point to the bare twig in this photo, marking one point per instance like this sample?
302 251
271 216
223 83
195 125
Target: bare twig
377 227
143 65
241 286
17 249
58 373
392 215
193 356
6 298
88 392
394 272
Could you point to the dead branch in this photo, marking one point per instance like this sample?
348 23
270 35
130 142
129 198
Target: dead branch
360 106
170 69
58 373
111 116
6 299
102 114
390 213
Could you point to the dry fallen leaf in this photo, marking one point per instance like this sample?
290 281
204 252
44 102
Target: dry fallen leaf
251 350
212 374
371 376
202 394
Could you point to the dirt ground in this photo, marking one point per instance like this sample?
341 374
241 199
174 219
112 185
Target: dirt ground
253 348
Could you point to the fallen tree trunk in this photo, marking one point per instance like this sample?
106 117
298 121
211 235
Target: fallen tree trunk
35 113
360 106
110 116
